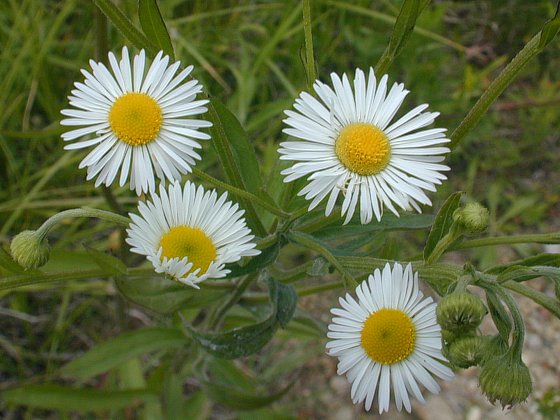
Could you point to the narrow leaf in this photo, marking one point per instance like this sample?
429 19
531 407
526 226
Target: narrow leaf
265 258
7 263
239 400
63 398
549 303
239 342
550 29
154 27
165 296
240 148
107 262
129 345
442 223
499 315
125 26
389 222
552 260
287 302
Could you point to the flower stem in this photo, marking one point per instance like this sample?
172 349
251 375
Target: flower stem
108 216
309 242
498 85
544 238
241 193
309 57
240 288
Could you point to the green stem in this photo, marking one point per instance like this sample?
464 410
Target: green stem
301 291
443 244
518 334
544 238
310 243
309 57
495 89
547 302
50 223
241 193
290 276
240 288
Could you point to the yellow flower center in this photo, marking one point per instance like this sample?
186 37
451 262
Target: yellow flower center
135 118
191 242
363 148
388 336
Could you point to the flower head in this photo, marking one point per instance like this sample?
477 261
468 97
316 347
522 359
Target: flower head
190 234
349 142
30 250
139 122
389 335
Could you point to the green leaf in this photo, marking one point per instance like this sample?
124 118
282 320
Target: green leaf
248 340
125 26
404 25
237 157
107 262
239 400
154 26
549 303
550 29
440 276
552 260
197 407
389 222
520 273
7 263
229 133
129 345
166 296
499 315
265 258
287 302
239 342
442 223
64 398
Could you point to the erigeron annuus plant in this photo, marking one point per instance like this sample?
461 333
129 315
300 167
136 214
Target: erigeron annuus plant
366 165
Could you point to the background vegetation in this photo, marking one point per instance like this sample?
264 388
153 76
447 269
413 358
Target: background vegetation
249 54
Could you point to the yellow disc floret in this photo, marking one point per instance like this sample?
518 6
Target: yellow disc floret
388 336
191 242
135 118
363 148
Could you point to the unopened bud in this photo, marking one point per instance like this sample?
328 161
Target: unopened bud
460 312
473 218
466 351
505 379
29 250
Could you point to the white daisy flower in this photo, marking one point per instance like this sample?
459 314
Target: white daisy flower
190 234
349 143
389 336
140 121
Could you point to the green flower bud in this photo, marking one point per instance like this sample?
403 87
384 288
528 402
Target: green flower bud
505 379
493 346
473 218
460 312
466 351
29 250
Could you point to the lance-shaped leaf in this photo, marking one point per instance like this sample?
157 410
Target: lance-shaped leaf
154 27
65 398
442 223
248 340
125 26
237 157
129 345
110 264
265 258
552 260
240 400
550 29
165 296
499 315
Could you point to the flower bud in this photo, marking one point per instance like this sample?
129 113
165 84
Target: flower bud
473 218
493 346
460 312
29 250
466 351
505 379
